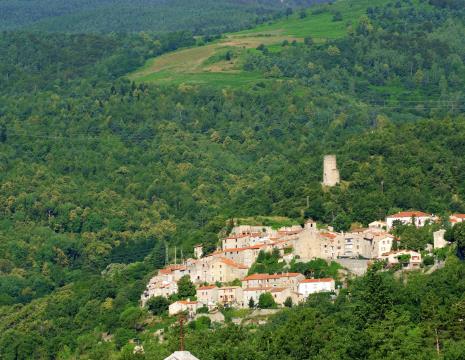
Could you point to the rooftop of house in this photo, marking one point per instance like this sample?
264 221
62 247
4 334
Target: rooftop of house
207 287
232 263
186 302
170 268
252 247
409 214
329 235
316 280
458 216
268 277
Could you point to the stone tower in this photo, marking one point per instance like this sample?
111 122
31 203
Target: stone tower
330 171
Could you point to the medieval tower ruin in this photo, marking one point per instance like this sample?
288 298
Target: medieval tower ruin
330 171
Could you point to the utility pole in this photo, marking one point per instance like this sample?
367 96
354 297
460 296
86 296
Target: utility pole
167 260
181 332
175 255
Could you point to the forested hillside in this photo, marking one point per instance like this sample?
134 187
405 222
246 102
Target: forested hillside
199 16
97 173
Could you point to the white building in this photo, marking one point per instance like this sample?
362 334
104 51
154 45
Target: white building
184 305
393 258
312 286
416 218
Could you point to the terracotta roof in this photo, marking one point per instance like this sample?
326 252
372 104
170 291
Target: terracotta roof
207 287
458 216
409 214
185 302
329 235
232 263
258 246
170 268
267 276
317 280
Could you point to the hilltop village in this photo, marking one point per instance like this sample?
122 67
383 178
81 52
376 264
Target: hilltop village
224 277
231 263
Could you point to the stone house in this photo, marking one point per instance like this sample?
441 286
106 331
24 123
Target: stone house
290 280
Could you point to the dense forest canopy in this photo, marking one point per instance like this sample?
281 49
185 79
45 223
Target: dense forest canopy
199 16
98 173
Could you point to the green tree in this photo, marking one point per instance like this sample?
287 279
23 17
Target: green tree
288 302
186 289
251 303
266 301
158 305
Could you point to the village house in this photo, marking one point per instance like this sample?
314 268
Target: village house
290 280
229 296
184 305
312 286
246 255
416 218
413 258
456 218
208 295
378 225
280 294
154 289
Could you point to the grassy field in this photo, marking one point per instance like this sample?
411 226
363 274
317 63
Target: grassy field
207 64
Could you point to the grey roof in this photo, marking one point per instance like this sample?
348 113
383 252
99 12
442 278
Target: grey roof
181 355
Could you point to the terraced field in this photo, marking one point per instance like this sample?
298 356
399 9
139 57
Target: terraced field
208 64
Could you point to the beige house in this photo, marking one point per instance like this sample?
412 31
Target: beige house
246 255
154 288
378 225
208 295
393 258
184 305
290 280
229 296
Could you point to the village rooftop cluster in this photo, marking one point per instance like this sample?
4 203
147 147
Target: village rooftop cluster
241 248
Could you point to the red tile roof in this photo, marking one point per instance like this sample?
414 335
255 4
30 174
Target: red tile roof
458 216
170 268
258 246
317 280
409 214
329 235
185 302
232 263
267 276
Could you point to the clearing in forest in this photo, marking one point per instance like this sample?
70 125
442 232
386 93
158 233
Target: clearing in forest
212 64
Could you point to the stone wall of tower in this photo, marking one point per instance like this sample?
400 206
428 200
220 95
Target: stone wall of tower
330 171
